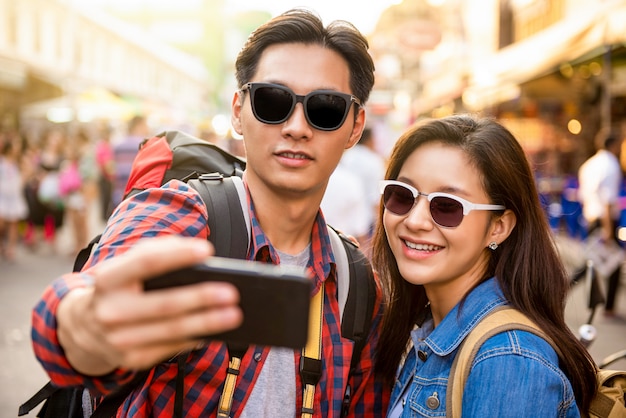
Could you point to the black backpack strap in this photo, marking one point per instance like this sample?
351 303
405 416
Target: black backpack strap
357 314
227 219
180 386
42 394
356 318
229 227
85 253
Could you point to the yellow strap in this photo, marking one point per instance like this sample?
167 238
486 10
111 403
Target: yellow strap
226 400
313 348
500 320
307 401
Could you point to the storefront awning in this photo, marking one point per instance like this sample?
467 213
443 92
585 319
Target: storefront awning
92 104
496 78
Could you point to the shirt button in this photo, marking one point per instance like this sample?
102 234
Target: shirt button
422 355
257 356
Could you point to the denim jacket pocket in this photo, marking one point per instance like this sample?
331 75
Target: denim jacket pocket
428 399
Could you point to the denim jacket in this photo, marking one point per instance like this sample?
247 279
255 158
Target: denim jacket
515 374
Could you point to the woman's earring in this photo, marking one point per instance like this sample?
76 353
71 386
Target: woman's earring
493 245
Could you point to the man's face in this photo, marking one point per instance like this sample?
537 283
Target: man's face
292 158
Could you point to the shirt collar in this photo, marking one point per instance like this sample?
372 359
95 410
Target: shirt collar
321 261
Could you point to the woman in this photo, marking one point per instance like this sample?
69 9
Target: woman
462 232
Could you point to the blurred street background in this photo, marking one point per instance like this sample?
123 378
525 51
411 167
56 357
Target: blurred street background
78 78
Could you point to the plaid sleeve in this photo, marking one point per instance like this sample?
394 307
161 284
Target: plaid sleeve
172 209
370 395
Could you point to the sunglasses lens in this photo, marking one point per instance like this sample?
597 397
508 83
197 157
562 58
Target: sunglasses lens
326 111
272 105
398 199
446 212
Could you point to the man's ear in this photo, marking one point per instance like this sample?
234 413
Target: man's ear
501 227
235 114
357 129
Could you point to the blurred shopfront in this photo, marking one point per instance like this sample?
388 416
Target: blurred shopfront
66 63
553 71
555 90
558 88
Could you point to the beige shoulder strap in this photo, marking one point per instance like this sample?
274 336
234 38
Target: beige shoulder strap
501 320
312 351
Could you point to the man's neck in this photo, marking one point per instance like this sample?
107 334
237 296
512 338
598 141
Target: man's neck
286 220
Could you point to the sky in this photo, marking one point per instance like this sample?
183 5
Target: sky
363 15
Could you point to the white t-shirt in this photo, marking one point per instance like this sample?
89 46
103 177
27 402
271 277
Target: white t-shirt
600 179
344 204
274 392
369 166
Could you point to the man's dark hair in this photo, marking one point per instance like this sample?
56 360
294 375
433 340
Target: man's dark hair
306 27
366 136
610 140
606 139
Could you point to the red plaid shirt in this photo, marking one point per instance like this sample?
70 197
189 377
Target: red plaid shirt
178 209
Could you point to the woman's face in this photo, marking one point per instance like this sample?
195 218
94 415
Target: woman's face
447 261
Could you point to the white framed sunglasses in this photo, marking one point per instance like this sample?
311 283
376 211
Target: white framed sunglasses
446 210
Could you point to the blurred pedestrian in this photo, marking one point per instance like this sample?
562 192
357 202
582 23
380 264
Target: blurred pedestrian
600 179
344 205
364 161
106 172
13 206
49 209
124 154
76 178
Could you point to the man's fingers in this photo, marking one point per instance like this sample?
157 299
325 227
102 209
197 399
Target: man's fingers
119 307
181 329
149 258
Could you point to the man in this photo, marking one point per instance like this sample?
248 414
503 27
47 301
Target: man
98 328
600 180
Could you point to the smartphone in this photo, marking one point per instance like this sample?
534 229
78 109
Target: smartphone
274 299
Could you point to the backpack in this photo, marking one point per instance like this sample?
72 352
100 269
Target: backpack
216 175
611 384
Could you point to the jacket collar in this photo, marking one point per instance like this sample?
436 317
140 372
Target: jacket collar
449 334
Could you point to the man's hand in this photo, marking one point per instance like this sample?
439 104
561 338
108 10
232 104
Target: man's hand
115 324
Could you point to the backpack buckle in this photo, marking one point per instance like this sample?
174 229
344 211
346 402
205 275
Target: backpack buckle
310 370
211 176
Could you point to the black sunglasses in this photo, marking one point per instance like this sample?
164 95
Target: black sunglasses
324 109
446 210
